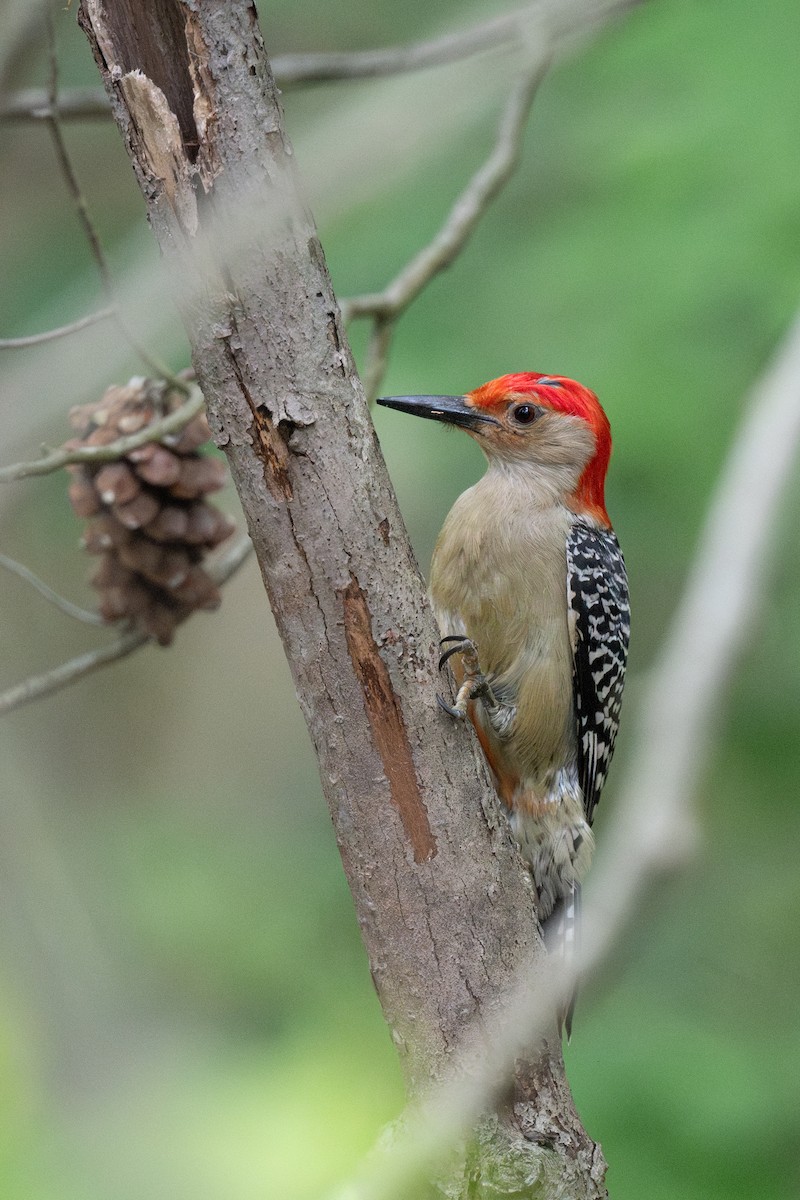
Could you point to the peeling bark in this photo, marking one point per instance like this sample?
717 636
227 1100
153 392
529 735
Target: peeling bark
444 902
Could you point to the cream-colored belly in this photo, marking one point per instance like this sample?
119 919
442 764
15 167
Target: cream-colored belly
503 584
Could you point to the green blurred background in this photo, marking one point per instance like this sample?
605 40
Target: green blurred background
185 1007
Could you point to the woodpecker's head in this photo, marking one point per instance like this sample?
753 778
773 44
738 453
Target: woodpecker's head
546 421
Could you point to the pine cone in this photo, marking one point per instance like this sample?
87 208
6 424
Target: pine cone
148 518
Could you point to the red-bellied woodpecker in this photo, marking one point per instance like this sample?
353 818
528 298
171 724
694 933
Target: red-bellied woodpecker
529 589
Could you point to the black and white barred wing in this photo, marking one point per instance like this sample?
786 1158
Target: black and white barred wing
597 596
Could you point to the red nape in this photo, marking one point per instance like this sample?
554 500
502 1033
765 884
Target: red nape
566 396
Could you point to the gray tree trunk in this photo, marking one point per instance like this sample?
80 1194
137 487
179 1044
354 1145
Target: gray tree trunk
445 905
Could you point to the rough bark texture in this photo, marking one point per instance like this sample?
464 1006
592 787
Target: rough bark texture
445 906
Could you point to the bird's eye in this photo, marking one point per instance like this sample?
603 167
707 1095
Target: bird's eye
524 414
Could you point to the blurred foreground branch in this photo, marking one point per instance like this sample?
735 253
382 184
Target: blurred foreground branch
653 829
727 583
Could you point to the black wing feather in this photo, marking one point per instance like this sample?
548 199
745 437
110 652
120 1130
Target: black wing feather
597 595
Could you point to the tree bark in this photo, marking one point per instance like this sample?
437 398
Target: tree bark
444 902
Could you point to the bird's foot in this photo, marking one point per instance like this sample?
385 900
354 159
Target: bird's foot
475 685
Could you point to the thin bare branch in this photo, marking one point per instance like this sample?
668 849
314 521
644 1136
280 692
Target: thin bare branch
467 211
154 432
38 686
294 70
67 169
50 335
60 602
74 104
653 830
87 224
377 360
386 306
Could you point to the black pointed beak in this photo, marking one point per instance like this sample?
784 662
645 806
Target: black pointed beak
452 409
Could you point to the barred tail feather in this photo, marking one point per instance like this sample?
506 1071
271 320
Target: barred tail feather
562 937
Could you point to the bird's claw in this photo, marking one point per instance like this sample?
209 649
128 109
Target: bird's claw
449 653
463 645
475 685
450 709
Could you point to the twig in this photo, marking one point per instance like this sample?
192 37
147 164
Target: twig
87 224
50 335
38 686
59 677
377 359
74 104
66 606
293 70
653 826
67 169
465 214
386 306
154 432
